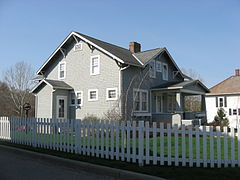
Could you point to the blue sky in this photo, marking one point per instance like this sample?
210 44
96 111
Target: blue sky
201 35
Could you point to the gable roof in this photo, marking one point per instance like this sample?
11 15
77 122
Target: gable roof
147 55
54 84
180 85
118 53
230 85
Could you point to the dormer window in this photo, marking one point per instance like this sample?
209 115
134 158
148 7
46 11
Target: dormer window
78 47
95 65
62 70
152 70
165 71
158 66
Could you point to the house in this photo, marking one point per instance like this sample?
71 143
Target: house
86 76
225 95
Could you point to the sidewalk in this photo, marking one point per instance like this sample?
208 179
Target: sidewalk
78 166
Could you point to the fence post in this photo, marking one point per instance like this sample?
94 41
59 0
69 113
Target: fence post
140 143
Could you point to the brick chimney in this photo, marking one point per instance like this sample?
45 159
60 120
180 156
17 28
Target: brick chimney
134 47
237 72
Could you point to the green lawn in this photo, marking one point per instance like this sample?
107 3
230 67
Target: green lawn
57 138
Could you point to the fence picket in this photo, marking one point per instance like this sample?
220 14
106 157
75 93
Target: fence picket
176 144
122 140
190 147
218 130
107 139
169 134
102 139
225 147
97 138
211 148
197 147
238 138
154 143
84 137
147 142
204 147
161 143
183 146
93 138
140 143
112 138
232 147
134 142
117 140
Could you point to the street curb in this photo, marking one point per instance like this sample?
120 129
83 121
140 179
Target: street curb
97 169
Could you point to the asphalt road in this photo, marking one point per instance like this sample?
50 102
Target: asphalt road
14 166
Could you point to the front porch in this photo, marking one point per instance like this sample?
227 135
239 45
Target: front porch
179 103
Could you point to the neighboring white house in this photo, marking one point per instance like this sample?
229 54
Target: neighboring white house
225 95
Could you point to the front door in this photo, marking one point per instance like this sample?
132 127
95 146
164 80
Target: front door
62 107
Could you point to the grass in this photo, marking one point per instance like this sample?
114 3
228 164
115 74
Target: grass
168 172
60 139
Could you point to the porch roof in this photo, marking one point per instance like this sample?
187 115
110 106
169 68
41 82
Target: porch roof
55 84
188 85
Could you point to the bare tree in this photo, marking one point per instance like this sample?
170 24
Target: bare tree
18 79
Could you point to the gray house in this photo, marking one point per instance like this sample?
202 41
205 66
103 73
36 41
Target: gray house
86 76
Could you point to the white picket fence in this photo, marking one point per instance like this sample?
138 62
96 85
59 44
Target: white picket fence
135 142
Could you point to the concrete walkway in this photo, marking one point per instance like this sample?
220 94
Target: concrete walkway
18 164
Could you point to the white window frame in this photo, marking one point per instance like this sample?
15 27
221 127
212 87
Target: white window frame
163 74
79 43
161 102
110 89
98 70
158 64
140 97
76 99
63 62
152 71
90 90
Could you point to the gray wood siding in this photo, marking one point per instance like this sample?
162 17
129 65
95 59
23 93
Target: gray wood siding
44 102
78 76
143 81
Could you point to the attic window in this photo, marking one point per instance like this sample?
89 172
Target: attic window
78 47
62 70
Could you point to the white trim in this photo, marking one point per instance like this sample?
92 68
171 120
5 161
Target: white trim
137 59
163 77
110 99
140 97
65 72
65 107
98 69
89 94
80 49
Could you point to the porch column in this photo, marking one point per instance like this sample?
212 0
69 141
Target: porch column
203 104
179 101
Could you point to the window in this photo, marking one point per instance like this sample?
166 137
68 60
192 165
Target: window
76 98
165 71
230 111
159 103
61 108
140 100
239 111
95 65
111 94
62 70
73 98
79 98
158 66
78 47
171 102
234 112
220 102
92 95
152 70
